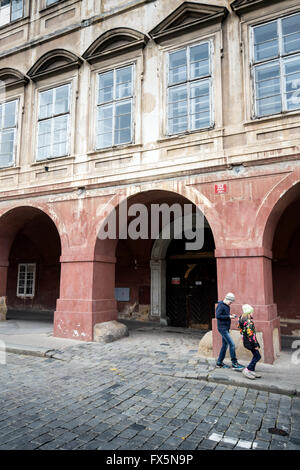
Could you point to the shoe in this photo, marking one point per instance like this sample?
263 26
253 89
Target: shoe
256 375
247 373
222 366
236 365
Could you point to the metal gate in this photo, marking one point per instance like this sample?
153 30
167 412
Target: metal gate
191 292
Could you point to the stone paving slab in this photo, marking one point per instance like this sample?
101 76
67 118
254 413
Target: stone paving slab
170 352
101 403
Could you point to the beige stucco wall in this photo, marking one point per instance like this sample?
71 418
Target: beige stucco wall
236 138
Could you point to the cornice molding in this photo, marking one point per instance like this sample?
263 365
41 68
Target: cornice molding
243 6
115 42
11 78
187 17
45 65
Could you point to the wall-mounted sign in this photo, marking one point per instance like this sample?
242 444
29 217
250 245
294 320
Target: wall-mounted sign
122 294
175 281
220 188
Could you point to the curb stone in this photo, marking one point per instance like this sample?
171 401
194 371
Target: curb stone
205 376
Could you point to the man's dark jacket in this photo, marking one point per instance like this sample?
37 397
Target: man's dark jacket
223 316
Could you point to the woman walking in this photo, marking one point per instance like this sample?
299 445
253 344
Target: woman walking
247 329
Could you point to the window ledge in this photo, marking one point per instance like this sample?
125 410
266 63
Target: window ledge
12 24
187 133
50 8
114 148
12 168
54 159
272 117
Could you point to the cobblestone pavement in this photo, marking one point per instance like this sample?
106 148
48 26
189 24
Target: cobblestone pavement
138 393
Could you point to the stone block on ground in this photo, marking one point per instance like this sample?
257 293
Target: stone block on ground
206 346
3 308
109 331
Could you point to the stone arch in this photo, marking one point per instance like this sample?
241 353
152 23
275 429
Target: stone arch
187 192
105 251
28 234
115 42
273 206
54 62
10 223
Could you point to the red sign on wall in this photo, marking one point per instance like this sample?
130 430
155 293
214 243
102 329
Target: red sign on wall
220 188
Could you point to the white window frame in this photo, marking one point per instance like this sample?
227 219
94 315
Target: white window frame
15 128
114 102
279 58
26 278
10 11
188 82
69 114
50 4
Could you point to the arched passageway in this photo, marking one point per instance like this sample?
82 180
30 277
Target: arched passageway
282 237
286 269
145 288
30 252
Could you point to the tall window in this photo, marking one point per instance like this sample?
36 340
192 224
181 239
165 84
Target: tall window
114 107
50 2
276 65
26 280
8 128
10 10
189 89
53 125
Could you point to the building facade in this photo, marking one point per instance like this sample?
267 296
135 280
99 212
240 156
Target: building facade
112 102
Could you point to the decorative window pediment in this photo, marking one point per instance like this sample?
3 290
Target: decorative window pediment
54 62
187 17
115 42
11 78
243 6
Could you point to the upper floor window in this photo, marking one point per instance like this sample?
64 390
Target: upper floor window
276 65
50 2
10 10
8 128
53 125
189 89
114 107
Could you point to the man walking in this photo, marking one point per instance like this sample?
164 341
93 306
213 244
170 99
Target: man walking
224 321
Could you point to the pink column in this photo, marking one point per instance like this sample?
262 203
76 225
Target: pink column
248 274
86 295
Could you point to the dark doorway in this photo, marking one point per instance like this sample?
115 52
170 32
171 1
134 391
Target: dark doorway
191 284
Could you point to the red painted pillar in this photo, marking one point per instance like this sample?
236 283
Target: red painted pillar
86 295
248 274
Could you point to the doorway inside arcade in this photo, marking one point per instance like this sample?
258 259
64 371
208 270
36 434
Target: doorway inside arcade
191 285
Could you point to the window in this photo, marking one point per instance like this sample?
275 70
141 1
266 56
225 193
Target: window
26 280
114 107
53 125
189 89
50 2
276 66
8 128
10 10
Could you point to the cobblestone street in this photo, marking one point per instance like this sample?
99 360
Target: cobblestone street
132 394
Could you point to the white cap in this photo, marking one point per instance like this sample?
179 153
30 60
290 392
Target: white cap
247 308
230 296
